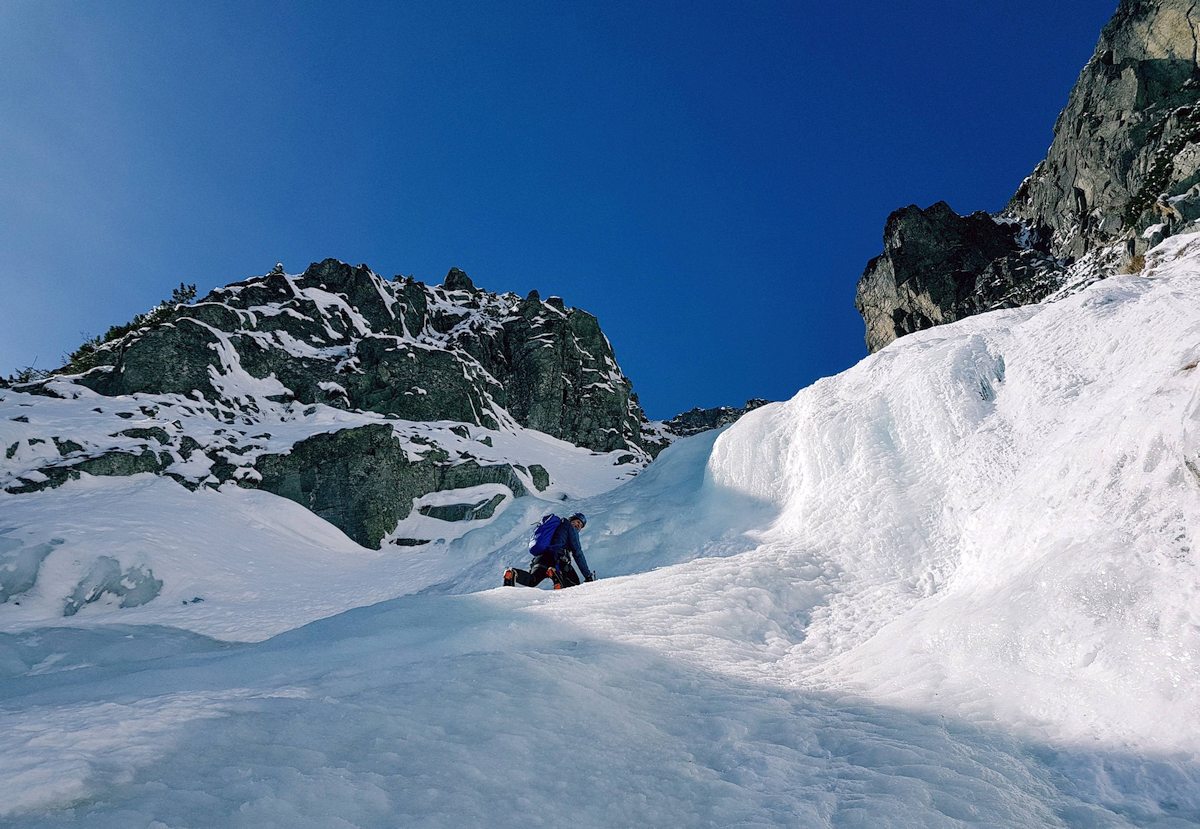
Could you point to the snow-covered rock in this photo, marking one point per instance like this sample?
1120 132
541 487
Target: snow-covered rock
351 395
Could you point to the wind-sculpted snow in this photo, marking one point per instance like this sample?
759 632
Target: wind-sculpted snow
1011 509
953 586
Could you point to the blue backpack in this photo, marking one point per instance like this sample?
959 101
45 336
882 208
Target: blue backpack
543 533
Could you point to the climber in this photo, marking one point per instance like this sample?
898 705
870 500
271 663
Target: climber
554 544
1167 210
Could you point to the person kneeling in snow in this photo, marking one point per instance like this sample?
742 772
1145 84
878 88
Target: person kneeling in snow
555 542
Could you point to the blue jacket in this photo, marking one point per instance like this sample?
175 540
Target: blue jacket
564 544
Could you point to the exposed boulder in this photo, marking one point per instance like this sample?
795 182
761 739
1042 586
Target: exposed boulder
540 476
114 463
364 481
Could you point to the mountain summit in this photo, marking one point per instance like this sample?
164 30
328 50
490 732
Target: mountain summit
342 336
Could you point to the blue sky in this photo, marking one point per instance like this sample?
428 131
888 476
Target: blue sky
709 179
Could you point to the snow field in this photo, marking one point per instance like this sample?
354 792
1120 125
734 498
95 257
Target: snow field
999 513
470 710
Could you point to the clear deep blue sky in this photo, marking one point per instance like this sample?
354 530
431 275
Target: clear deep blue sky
709 179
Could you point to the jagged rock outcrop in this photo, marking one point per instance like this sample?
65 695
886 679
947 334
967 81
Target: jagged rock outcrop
1122 172
108 464
697 420
1129 134
661 434
340 335
938 266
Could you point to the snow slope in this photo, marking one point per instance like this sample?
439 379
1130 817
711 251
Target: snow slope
955 585
235 563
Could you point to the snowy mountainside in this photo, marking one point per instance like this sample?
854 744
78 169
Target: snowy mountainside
241 564
307 386
954 585
999 517
405 415
1012 509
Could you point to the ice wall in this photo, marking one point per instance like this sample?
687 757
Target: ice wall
1010 506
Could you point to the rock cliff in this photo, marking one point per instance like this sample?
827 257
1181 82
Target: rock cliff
1127 136
937 267
1122 173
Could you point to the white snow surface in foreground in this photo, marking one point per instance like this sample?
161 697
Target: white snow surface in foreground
955 585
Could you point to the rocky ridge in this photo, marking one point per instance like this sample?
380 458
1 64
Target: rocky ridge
355 396
341 336
399 412
1122 173
697 420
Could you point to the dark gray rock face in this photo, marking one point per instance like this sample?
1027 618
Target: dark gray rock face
1130 132
363 481
562 378
173 359
342 336
540 476
391 377
110 464
1122 172
938 266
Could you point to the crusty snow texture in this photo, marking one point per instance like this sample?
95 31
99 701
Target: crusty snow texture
953 586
